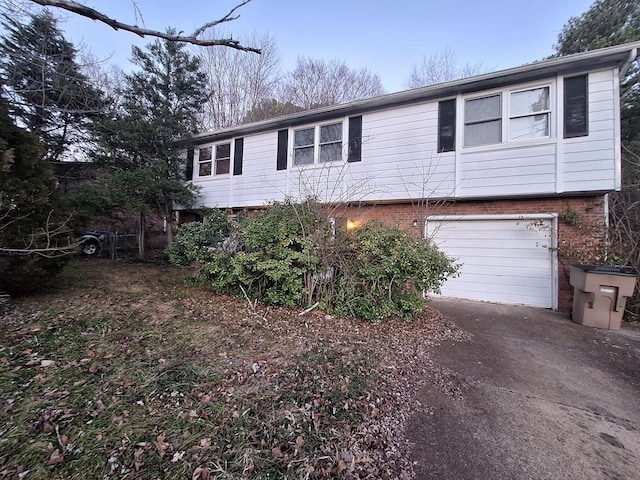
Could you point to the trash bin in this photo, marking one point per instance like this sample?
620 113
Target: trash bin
600 294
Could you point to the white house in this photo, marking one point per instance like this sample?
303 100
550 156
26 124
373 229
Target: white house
495 168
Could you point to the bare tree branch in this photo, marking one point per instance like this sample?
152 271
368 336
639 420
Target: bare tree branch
88 12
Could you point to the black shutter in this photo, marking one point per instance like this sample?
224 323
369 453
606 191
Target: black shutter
238 151
576 107
283 141
188 173
355 139
447 126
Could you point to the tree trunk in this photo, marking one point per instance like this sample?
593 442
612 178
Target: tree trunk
142 240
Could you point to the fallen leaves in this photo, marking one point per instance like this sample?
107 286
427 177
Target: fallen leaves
165 381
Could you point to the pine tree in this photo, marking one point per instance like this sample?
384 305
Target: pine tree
160 105
47 93
30 236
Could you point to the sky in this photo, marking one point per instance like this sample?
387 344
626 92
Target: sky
386 37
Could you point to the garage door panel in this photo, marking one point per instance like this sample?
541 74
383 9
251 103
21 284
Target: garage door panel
520 274
486 291
507 253
503 260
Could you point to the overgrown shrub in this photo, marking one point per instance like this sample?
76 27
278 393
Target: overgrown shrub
277 255
388 272
293 256
196 240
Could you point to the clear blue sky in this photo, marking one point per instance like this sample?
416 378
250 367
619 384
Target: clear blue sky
385 36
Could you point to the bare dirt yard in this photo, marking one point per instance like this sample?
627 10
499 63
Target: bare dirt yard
126 371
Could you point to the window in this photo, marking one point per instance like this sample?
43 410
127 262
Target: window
204 162
319 144
529 114
517 115
303 146
483 121
223 158
219 165
447 126
576 111
330 143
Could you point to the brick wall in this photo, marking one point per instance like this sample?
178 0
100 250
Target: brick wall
581 224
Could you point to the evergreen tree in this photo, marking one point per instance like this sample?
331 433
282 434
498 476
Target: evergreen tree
33 243
160 105
46 91
606 23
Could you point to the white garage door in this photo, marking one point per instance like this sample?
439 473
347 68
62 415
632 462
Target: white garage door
504 259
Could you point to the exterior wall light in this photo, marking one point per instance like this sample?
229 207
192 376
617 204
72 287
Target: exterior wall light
351 224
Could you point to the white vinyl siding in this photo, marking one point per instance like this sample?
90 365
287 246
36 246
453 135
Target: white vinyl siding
506 260
518 170
400 161
400 158
589 162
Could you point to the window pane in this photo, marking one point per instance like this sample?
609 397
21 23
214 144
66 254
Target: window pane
530 101
483 133
204 169
331 152
204 154
534 126
482 109
303 156
222 166
302 138
223 151
331 133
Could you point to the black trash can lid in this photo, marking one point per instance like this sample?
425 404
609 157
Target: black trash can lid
608 270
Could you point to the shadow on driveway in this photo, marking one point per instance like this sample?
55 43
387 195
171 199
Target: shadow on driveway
530 396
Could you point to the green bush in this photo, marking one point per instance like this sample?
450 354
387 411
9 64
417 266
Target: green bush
292 256
195 240
388 274
278 254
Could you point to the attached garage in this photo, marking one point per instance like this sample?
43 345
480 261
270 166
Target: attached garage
504 258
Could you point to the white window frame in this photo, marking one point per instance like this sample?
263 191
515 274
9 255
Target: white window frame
499 119
546 112
214 160
506 117
317 145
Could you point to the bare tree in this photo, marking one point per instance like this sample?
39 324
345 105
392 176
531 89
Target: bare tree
441 66
108 77
316 83
270 108
14 7
239 82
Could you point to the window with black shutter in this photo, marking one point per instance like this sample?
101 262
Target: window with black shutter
189 170
576 114
355 139
283 140
238 151
447 126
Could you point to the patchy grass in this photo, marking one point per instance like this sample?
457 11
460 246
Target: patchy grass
125 372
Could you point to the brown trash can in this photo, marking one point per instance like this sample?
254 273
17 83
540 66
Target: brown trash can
600 294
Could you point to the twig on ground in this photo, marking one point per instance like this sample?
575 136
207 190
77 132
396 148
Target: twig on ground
307 310
253 305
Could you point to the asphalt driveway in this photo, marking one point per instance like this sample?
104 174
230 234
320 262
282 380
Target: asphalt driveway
530 396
